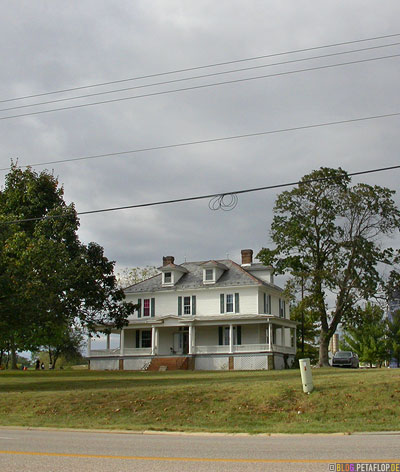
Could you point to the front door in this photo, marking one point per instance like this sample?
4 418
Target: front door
181 342
185 343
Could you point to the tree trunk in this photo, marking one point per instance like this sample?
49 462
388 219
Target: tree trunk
13 358
323 350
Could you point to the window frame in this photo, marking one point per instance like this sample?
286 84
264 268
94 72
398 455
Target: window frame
282 308
267 303
146 308
147 339
235 303
232 296
165 281
187 307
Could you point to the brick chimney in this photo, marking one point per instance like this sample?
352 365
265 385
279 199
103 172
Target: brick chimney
247 256
168 260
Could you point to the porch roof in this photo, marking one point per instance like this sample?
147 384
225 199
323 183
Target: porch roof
173 320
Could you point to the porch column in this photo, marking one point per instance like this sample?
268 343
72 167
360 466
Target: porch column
283 336
122 342
154 341
230 339
190 339
295 338
108 342
89 344
270 336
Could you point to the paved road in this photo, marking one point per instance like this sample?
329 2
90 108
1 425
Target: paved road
59 451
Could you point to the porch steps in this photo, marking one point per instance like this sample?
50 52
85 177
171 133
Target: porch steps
169 363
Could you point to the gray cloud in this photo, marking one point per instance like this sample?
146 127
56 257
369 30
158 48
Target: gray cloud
52 45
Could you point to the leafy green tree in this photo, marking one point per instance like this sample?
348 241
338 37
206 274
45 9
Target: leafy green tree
302 310
48 278
329 231
63 341
394 336
366 335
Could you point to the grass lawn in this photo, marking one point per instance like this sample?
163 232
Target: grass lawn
253 402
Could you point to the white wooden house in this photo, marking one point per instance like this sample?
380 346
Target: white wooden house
209 315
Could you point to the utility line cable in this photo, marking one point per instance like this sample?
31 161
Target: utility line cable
216 64
197 87
184 79
211 140
202 197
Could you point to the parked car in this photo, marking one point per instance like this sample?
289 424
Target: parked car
345 359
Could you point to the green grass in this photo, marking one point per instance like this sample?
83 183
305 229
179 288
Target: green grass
254 402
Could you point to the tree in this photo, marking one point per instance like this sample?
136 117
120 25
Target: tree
128 277
330 232
48 278
394 336
65 342
302 310
367 335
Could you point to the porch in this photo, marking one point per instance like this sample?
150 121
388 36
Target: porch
155 340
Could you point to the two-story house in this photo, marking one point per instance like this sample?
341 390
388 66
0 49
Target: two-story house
208 315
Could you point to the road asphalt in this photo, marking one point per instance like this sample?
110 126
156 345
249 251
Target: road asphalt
38 450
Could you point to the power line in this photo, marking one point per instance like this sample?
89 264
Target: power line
197 87
212 140
203 197
184 79
188 69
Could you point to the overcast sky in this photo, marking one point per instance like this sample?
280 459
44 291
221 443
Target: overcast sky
52 45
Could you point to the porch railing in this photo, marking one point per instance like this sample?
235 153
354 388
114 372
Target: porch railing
139 351
197 350
117 352
103 352
243 348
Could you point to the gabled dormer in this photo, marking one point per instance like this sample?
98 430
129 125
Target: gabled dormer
261 271
212 271
171 272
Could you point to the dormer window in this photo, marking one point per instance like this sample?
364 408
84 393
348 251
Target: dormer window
171 273
212 271
167 278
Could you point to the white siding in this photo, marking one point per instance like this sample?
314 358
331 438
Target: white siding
129 338
250 334
207 300
207 336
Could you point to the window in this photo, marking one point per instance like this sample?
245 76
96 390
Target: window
146 338
229 303
291 337
187 305
282 308
223 335
146 307
167 277
143 338
209 274
267 303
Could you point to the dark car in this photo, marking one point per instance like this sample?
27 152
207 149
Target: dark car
345 359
